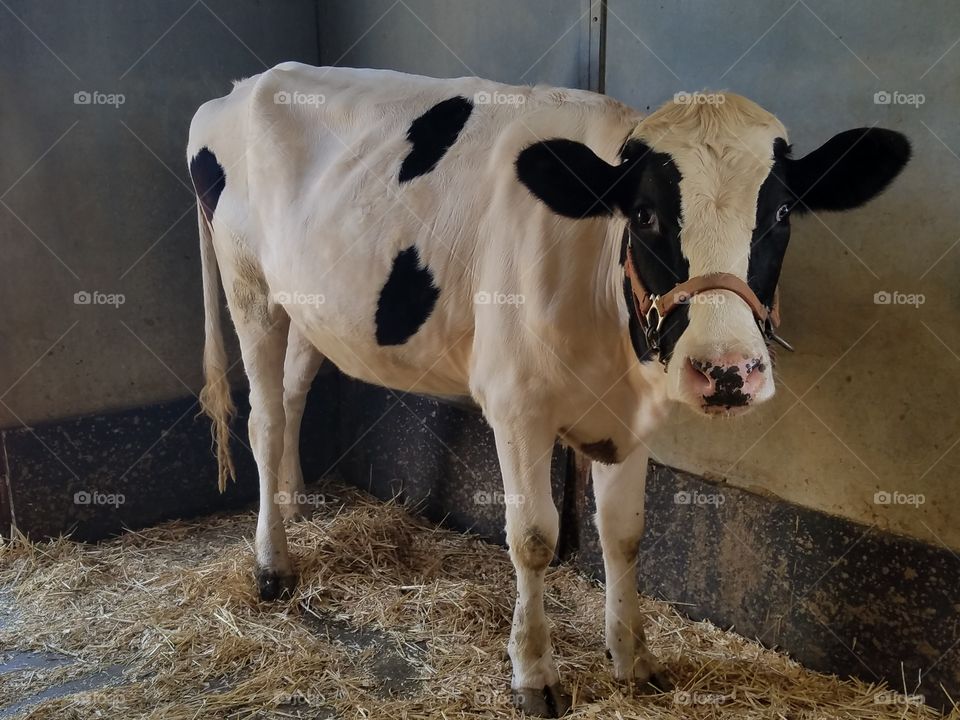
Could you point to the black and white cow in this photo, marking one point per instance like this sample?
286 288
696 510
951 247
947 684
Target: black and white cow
568 263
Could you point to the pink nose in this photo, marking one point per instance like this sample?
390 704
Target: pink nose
724 382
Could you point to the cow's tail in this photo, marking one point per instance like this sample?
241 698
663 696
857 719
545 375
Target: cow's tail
215 399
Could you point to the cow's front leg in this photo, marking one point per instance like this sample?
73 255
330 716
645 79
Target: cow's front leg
532 525
619 491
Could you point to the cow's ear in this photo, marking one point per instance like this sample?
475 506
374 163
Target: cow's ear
847 170
571 179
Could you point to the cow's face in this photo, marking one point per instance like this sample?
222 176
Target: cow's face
710 188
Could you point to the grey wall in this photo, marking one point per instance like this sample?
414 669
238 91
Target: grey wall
96 197
513 41
869 401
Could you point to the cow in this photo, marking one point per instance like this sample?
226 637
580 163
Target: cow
566 262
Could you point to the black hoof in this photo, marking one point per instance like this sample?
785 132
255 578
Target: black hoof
660 680
550 701
273 586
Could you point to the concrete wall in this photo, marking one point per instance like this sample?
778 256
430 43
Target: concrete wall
95 197
868 402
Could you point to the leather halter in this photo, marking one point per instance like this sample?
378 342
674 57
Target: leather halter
653 310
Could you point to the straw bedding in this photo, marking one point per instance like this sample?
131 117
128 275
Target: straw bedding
393 618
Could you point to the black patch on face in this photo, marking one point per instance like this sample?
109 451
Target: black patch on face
406 300
770 234
656 251
603 451
573 181
432 134
208 180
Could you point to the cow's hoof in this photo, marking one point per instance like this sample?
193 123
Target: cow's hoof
550 701
272 585
657 682
661 681
294 512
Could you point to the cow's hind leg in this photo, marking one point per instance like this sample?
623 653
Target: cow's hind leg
299 369
532 525
619 491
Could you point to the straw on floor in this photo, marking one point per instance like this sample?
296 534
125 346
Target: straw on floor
392 618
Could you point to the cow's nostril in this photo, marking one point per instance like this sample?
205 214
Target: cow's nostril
698 377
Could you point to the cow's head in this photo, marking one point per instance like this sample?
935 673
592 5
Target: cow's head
707 189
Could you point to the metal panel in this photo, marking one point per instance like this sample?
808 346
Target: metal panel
594 50
514 41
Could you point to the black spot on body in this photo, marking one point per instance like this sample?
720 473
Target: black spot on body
406 300
603 451
432 134
209 180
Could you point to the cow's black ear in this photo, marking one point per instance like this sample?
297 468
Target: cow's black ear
847 170
570 178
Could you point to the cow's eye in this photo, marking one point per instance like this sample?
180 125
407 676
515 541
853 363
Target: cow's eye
783 212
646 219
